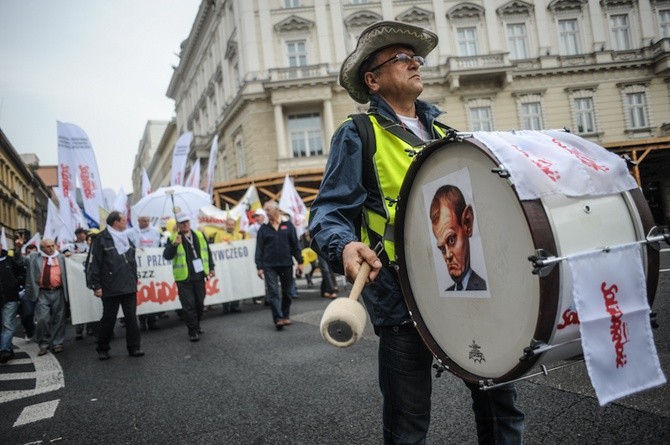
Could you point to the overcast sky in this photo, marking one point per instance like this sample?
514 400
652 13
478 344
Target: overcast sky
104 65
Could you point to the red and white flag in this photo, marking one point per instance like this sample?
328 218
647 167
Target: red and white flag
146 185
291 203
36 240
179 155
609 291
77 148
211 165
67 163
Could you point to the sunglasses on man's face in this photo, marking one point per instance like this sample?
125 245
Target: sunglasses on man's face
401 57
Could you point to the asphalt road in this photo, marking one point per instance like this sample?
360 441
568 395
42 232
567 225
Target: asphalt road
245 383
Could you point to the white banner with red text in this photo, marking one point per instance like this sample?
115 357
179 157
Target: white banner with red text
235 279
609 289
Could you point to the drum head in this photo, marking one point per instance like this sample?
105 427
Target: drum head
479 334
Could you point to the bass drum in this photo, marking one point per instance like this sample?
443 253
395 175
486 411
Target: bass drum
481 335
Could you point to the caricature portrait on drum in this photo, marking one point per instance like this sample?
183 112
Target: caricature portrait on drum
459 257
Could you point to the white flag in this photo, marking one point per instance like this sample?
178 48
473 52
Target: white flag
70 216
81 151
54 221
291 203
609 291
557 162
211 165
36 240
146 185
3 240
179 155
67 164
121 202
193 179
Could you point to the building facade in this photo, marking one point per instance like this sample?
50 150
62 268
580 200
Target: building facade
262 75
23 195
148 148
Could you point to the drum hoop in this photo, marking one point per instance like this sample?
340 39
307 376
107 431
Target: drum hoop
653 255
542 236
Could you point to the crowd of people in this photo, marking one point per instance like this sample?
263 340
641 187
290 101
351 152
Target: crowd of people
33 278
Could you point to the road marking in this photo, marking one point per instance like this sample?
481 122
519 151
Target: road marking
39 411
48 374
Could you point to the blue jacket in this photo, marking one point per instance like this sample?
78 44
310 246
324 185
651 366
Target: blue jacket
336 211
276 248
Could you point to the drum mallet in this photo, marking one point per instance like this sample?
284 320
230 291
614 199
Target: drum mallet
344 319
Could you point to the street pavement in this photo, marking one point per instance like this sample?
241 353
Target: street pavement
246 383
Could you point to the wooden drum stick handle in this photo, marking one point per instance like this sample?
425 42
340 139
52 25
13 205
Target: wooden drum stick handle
360 280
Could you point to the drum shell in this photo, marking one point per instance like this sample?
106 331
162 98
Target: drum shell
543 312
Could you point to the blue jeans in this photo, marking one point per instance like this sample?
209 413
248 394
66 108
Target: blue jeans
405 380
279 303
9 311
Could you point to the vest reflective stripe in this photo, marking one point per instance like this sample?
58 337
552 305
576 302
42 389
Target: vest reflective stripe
179 266
391 164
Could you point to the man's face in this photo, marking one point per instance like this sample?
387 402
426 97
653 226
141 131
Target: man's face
453 242
260 219
120 224
184 227
48 246
81 237
143 222
396 79
230 225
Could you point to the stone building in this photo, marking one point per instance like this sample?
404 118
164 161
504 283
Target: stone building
262 75
23 195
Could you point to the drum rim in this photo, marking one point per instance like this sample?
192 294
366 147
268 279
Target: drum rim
541 235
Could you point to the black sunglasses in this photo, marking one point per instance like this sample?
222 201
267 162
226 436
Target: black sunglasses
401 57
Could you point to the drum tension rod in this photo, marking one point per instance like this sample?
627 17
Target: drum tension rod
543 262
439 368
501 171
537 347
486 385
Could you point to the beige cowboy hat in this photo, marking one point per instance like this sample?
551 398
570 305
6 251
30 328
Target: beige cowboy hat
374 38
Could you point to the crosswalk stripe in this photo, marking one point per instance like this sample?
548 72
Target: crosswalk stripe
39 411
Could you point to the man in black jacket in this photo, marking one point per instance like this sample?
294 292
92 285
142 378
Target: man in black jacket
112 274
12 275
276 244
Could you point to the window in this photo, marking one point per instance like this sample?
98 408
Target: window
531 116
467 41
636 110
291 3
620 32
480 119
569 37
517 41
585 115
305 134
359 2
664 22
297 54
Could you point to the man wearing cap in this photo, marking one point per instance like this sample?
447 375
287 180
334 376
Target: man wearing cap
192 264
351 213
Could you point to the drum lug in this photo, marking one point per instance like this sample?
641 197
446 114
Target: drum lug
439 368
501 171
543 262
536 347
391 202
412 152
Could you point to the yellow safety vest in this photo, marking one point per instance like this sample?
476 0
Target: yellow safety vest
391 163
179 266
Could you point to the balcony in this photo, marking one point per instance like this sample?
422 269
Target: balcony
298 72
475 69
661 56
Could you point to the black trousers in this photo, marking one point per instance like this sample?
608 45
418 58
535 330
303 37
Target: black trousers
192 299
110 307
